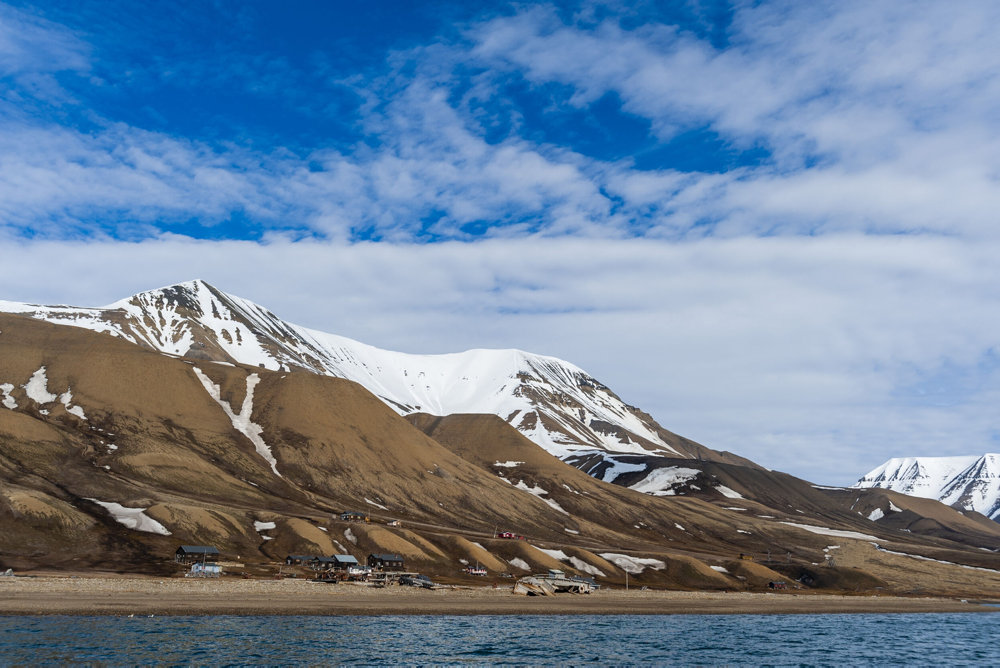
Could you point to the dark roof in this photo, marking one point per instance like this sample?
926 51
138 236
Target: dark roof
386 557
353 512
323 560
299 557
198 549
344 559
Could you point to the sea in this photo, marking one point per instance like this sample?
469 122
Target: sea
963 639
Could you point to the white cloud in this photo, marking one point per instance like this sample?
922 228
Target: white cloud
30 44
880 117
818 313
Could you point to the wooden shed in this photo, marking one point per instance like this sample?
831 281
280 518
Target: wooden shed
187 554
386 562
296 559
342 562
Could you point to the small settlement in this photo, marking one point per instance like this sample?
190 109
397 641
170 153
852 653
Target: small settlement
380 568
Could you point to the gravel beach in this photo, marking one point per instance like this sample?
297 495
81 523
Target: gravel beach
87 595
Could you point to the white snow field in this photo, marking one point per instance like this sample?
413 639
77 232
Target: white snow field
970 482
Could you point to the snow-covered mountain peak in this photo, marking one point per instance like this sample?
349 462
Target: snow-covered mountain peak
553 402
188 293
969 482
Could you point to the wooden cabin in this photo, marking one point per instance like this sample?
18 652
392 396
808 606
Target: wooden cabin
322 563
187 554
343 562
386 562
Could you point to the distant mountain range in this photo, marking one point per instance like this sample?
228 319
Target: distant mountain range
967 483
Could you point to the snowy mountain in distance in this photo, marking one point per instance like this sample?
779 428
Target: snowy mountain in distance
554 403
970 482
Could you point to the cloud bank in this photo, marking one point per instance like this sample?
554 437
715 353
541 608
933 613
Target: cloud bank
773 230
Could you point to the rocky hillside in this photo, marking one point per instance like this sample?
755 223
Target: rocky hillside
554 403
112 454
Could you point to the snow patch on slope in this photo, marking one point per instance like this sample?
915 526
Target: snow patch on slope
660 482
133 518
517 562
728 493
541 494
372 503
65 398
242 421
8 398
837 533
575 562
37 388
617 468
633 565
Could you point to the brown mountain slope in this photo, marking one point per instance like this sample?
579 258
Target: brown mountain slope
927 517
256 462
590 506
701 521
150 429
141 430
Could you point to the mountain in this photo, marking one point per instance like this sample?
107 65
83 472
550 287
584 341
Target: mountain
968 483
112 454
554 403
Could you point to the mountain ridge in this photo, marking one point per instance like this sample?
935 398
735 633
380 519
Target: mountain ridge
553 402
106 445
970 482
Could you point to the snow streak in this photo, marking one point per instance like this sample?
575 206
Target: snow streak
242 421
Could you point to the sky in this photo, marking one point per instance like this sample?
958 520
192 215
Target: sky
771 225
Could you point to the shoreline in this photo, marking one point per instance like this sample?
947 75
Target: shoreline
123 596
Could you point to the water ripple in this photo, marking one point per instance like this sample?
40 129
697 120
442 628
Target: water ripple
620 640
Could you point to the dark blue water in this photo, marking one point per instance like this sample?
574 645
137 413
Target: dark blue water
852 640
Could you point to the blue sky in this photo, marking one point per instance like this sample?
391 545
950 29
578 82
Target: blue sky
770 224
